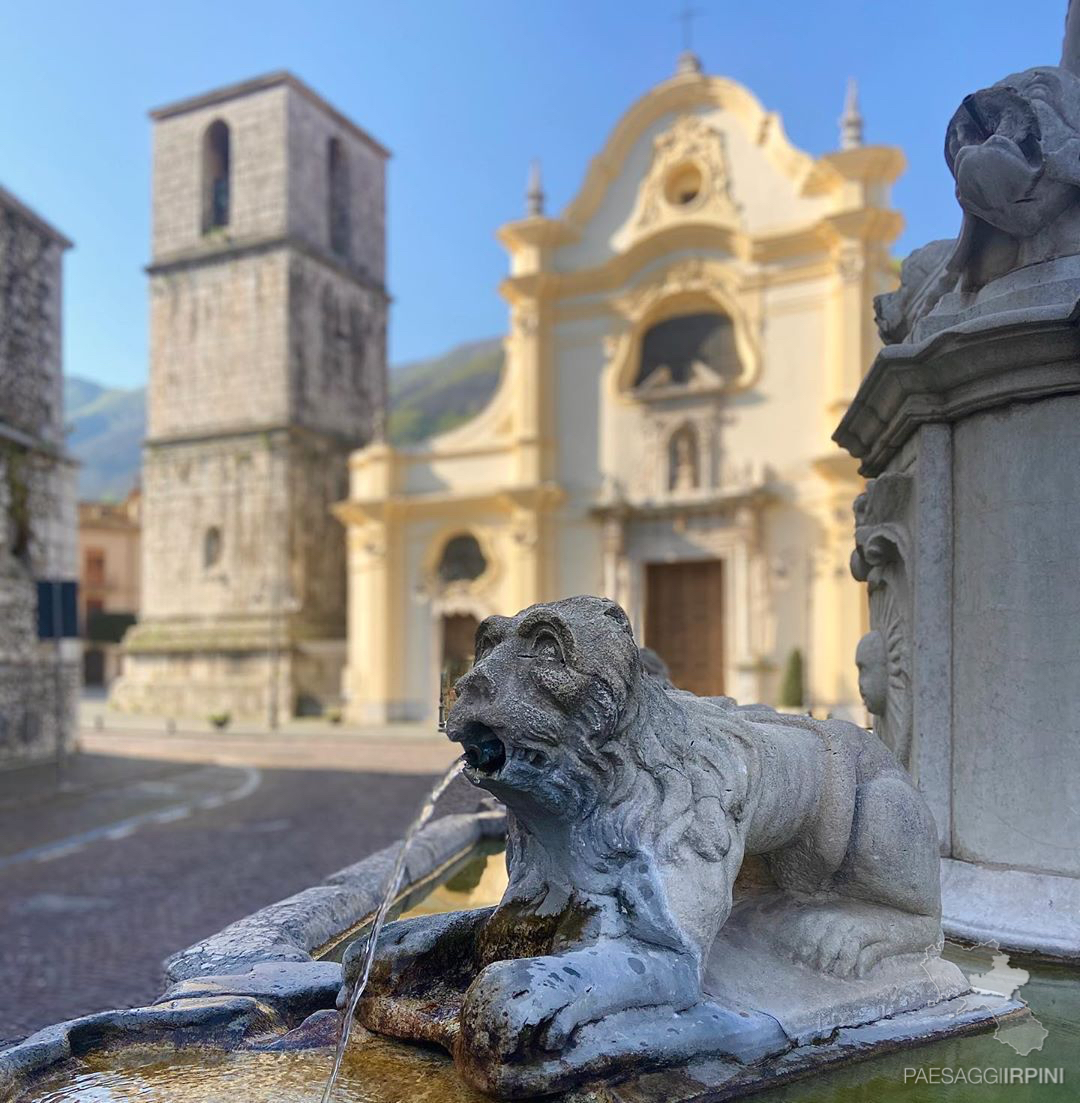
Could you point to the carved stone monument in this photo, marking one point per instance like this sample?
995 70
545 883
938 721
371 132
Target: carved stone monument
623 940
969 425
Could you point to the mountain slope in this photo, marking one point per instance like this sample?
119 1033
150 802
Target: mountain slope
107 425
106 428
431 396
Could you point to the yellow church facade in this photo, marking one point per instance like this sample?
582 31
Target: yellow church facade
683 338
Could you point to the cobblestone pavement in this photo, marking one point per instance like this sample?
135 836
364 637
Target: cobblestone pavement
153 842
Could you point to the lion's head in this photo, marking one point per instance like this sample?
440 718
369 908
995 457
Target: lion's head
549 689
560 719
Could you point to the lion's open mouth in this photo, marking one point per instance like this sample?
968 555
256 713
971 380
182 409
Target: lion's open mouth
484 750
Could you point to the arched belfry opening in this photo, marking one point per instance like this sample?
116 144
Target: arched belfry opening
217 164
337 176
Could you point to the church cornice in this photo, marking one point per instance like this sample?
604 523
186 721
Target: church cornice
802 250
864 165
270 430
504 500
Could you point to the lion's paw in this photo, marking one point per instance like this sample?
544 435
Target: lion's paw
520 1005
834 941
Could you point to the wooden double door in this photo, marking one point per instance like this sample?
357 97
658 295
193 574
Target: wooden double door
684 622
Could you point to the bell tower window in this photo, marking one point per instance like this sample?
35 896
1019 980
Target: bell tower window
217 158
337 175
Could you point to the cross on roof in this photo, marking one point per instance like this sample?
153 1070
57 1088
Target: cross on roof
687 17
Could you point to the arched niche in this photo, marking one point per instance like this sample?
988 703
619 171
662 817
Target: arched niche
461 560
684 460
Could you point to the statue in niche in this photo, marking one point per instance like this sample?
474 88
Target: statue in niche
683 461
1014 152
631 806
884 655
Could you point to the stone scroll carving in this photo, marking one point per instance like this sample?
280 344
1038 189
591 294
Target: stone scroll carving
880 559
620 941
1014 152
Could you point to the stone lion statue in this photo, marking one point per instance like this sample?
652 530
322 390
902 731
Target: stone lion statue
632 806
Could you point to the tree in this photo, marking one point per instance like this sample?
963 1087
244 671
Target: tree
791 689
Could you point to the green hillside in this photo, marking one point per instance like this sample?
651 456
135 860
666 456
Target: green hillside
105 431
107 425
431 396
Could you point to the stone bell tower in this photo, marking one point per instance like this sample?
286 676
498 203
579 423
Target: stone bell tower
267 367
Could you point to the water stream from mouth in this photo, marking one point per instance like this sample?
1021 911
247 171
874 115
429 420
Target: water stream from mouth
392 887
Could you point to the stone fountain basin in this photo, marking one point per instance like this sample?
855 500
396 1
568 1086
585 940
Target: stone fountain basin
249 1015
229 1038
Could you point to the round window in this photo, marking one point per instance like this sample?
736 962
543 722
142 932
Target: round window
684 185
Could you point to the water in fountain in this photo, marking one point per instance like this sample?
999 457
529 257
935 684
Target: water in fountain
392 887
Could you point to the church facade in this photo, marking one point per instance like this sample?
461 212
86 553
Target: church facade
682 340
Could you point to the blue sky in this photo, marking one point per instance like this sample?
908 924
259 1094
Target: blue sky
465 92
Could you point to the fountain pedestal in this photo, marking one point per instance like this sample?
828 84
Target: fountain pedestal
967 538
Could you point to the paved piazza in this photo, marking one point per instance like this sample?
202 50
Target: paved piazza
152 841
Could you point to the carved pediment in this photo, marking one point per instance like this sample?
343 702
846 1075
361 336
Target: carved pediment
689 176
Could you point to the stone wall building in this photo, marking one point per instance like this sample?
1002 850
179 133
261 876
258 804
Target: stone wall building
38 678
110 564
683 337
267 367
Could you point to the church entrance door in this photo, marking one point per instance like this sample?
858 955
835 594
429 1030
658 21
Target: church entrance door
684 622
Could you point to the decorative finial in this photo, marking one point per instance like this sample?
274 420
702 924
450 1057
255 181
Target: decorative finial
851 122
534 197
688 62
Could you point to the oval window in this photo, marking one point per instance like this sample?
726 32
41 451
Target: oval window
461 559
684 184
